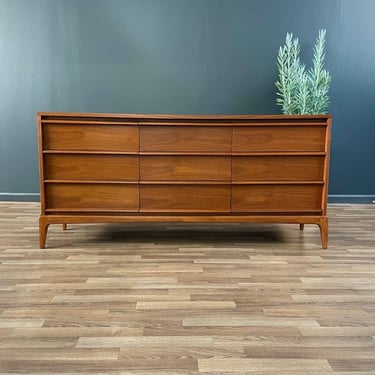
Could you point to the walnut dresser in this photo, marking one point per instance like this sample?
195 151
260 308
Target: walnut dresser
101 168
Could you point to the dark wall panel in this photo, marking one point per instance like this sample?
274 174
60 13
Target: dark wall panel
179 56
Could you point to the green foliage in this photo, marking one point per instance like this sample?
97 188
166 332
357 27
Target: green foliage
288 63
301 91
319 78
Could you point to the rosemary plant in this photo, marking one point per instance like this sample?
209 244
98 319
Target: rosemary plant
301 91
319 78
288 63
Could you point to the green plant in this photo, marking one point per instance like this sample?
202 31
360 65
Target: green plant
301 91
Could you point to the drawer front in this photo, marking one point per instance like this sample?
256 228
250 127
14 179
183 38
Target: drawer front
185 198
91 167
92 197
278 138
276 198
185 168
277 168
90 137
185 139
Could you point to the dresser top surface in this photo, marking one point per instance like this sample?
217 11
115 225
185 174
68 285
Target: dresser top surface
196 117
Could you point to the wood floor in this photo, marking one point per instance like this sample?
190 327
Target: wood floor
187 299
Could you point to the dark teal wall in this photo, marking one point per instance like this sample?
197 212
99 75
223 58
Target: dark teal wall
179 56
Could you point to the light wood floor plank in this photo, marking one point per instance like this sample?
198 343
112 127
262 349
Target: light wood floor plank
153 341
270 364
233 321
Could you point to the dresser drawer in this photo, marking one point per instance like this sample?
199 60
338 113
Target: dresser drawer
90 137
276 198
91 167
92 197
185 198
277 168
185 139
185 168
278 138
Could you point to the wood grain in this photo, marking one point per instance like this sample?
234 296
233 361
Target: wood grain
269 365
276 198
95 137
91 167
277 168
185 168
185 139
192 299
184 198
92 197
285 138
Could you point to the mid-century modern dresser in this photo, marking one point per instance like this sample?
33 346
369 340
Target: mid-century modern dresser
170 168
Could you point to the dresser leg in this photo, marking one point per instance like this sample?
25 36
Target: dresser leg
65 226
323 225
301 226
43 229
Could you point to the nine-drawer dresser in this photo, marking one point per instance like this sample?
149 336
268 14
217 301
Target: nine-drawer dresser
171 168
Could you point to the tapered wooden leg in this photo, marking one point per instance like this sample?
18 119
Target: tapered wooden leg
43 229
301 226
323 225
65 226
